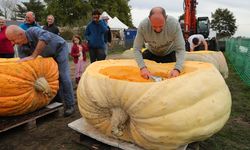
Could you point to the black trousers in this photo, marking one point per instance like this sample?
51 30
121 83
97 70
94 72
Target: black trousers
96 54
159 59
6 55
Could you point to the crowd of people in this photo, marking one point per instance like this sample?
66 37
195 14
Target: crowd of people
160 31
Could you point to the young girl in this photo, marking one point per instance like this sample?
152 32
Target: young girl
78 52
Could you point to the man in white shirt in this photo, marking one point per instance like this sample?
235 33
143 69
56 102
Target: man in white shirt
196 41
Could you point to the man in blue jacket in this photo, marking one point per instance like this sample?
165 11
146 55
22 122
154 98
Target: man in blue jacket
30 21
94 34
36 41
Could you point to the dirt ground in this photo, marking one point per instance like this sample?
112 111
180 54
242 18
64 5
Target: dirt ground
52 133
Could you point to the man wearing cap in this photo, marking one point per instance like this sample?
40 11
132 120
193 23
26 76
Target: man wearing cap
94 34
107 35
165 42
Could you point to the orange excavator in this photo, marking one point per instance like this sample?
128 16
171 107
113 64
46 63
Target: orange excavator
193 25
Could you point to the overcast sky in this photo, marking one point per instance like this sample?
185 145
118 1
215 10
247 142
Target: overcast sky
239 8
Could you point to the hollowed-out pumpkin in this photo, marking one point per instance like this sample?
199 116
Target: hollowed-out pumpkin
215 57
114 98
27 86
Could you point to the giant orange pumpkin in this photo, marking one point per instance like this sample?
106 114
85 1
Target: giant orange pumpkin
27 86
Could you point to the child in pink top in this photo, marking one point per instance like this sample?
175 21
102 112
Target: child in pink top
78 52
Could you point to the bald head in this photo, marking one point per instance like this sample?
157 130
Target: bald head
30 17
16 35
157 18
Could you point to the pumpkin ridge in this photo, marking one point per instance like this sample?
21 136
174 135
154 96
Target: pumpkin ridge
195 101
5 101
6 76
18 95
16 108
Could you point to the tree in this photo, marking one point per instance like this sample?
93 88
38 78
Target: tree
118 8
66 12
8 7
20 11
223 22
37 7
1 13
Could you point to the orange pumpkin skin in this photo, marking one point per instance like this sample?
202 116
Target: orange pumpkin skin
27 86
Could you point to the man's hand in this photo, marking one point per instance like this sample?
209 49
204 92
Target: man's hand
145 73
26 58
174 73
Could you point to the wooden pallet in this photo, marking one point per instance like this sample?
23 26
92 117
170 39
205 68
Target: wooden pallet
29 120
82 127
87 130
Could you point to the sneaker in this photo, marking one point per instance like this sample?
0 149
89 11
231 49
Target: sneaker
69 111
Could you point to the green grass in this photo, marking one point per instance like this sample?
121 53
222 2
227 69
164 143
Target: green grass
235 135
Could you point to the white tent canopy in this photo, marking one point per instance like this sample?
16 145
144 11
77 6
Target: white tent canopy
106 14
114 23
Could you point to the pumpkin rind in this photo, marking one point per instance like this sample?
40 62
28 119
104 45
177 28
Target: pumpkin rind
215 57
161 115
18 92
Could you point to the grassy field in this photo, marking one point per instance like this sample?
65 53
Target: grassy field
235 135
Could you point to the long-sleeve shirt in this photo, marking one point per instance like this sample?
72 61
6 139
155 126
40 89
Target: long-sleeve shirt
34 34
75 52
51 28
160 44
5 45
94 34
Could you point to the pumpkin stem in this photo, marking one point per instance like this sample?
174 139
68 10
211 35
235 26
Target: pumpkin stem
41 85
118 119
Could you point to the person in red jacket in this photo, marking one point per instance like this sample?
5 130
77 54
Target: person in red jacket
78 52
6 47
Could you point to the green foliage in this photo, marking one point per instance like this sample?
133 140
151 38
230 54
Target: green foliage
1 13
20 11
73 12
118 8
224 23
67 34
37 7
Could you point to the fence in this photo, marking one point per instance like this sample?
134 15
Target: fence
238 53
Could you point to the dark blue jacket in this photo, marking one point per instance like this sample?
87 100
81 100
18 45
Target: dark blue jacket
94 34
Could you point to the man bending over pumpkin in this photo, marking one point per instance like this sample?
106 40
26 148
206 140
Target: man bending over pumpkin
36 41
165 42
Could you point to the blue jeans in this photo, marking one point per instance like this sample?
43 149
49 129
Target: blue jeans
65 84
